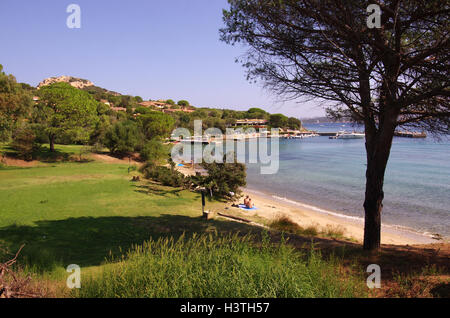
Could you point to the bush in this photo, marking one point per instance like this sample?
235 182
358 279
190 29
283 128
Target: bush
221 267
24 142
164 175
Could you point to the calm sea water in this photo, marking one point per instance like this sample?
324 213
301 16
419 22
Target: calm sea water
330 174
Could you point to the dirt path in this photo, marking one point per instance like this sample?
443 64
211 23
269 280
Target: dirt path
17 162
109 159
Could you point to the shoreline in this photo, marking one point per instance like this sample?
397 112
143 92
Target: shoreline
270 206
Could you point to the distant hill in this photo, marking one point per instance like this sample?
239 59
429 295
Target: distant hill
76 82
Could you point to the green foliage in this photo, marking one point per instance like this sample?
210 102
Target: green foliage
258 113
65 110
103 109
221 266
214 113
183 103
153 151
157 124
102 126
170 102
165 176
24 142
142 110
183 119
278 121
294 123
15 104
223 180
123 137
127 101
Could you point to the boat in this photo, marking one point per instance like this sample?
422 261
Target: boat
196 140
352 135
348 135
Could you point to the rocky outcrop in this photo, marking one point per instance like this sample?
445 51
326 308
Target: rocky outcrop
75 82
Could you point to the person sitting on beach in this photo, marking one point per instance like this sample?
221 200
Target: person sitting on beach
246 200
249 204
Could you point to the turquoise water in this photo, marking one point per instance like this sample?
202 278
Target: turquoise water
330 174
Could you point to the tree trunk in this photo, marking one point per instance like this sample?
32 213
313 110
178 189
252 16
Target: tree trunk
373 205
378 147
52 143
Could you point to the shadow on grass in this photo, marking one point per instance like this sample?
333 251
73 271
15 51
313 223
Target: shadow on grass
90 241
151 189
43 154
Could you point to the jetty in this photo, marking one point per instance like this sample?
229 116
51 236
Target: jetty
409 134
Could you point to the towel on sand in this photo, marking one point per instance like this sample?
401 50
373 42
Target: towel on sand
243 207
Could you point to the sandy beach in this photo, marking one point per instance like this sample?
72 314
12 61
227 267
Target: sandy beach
269 208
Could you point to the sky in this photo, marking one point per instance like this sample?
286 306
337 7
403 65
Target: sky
156 49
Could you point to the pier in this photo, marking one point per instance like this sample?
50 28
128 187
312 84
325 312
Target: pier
409 134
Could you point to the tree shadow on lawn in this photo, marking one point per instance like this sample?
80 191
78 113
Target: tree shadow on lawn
151 189
90 241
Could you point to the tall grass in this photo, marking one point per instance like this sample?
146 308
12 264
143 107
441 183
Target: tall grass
214 266
285 224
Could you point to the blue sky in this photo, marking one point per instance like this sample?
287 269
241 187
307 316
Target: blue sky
156 49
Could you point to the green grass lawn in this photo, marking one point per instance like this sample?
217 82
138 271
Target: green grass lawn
91 214
76 213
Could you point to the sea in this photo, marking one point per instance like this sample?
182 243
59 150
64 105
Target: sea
329 176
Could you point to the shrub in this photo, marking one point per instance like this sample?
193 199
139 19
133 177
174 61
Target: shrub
164 175
24 142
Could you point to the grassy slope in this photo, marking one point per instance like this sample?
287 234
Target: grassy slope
221 266
83 213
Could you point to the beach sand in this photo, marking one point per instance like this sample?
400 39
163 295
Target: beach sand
270 208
